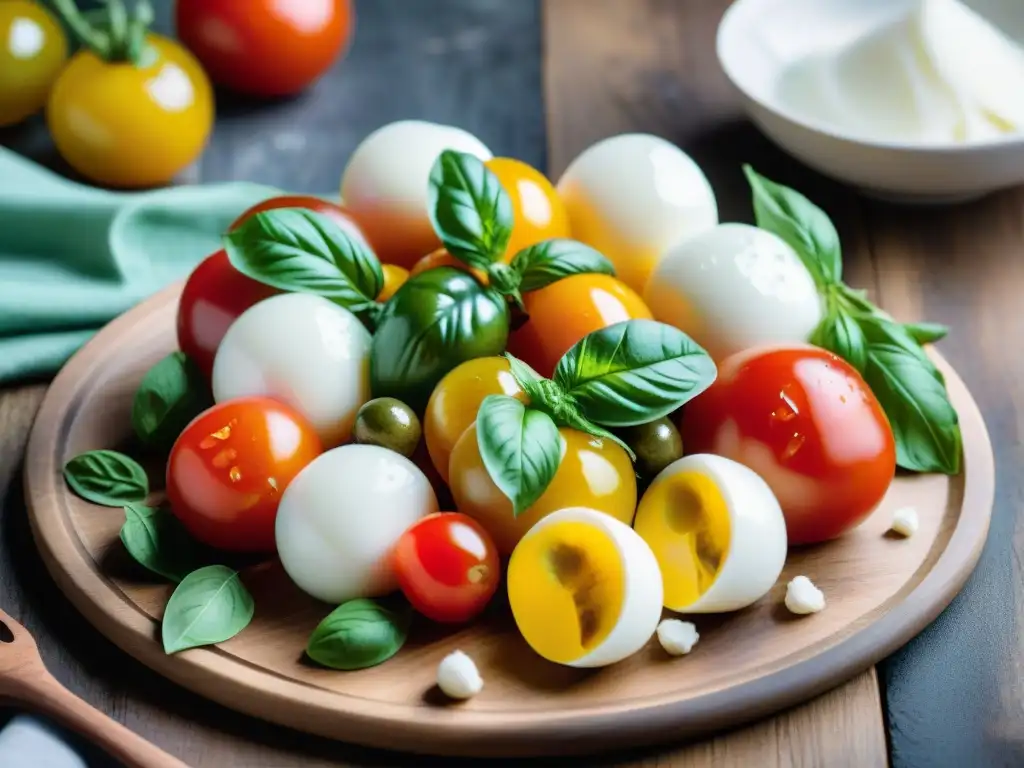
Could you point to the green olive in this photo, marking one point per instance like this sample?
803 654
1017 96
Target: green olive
389 423
656 445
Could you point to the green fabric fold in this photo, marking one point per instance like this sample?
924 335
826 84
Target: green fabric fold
73 257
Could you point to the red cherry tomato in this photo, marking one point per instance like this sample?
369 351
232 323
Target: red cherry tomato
806 421
447 566
228 469
215 294
265 47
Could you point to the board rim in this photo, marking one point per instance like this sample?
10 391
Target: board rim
232 682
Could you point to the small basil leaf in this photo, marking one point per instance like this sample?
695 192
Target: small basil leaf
172 393
926 333
520 447
209 606
799 222
551 260
299 250
840 333
924 422
470 211
157 540
107 477
435 321
358 634
633 372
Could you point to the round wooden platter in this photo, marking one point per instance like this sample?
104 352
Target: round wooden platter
881 591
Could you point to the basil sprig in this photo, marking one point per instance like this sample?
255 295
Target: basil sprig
887 353
107 477
302 251
626 374
360 633
209 606
172 393
544 263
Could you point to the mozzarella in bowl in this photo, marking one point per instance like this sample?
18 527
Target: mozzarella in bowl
717 532
734 287
584 589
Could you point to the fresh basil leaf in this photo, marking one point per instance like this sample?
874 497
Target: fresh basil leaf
926 333
634 371
107 477
303 251
551 260
799 222
435 321
172 393
360 633
924 422
209 606
840 333
520 447
157 540
470 211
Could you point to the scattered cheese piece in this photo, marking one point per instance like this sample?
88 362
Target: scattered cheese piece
677 637
458 677
904 521
803 597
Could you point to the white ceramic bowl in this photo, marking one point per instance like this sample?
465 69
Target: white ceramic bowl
759 39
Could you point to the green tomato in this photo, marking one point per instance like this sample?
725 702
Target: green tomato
656 445
436 320
388 423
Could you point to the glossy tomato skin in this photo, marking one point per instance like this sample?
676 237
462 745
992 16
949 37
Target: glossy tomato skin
562 313
32 51
127 125
447 567
214 295
228 469
265 47
538 213
806 421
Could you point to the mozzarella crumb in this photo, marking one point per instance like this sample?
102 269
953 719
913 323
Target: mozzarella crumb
803 597
904 521
677 637
458 677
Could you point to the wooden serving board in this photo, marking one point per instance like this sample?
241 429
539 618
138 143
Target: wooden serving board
881 591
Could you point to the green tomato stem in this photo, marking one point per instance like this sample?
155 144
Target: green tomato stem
109 32
95 39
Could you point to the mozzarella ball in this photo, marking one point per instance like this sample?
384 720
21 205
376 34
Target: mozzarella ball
303 350
735 287
584 589
341 516
717 532
385 183
631 197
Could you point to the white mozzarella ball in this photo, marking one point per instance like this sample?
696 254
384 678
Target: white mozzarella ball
734 287
385 185
631 197
303 350
340 518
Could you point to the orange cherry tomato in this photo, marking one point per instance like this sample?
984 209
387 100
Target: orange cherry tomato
394 278
441 258
228 469
564 312
539 213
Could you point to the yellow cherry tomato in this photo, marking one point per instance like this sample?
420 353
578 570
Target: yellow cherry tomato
594 473
394 278
132 125
456 399
538 211
32 51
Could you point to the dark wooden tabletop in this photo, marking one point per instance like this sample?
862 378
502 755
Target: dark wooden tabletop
540 80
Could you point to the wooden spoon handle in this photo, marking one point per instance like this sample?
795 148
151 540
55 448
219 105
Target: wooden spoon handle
62 705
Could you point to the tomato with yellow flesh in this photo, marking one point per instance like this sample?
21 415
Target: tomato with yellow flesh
593 473
394 278
562 313
124 124
32 52
537 211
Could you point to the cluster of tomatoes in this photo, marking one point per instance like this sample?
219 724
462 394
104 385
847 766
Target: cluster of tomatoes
132 108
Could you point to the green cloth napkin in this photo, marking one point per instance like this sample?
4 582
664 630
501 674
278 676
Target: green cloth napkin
73 257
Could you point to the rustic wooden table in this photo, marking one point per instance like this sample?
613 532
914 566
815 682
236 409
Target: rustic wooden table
541 80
